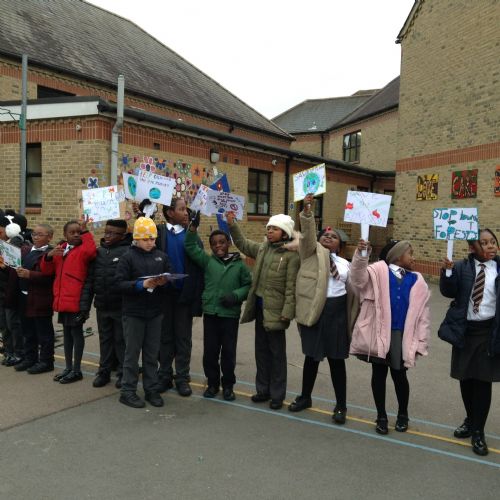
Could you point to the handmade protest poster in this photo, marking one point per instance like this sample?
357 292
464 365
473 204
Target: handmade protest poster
427 187
130 186
367 209
11 255
455 224
497 181
200 201
101 204
220 202
310 181
464 184
157 188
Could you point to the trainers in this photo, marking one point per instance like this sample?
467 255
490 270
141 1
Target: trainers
24 365
210 392
154 399
183 388
132 399
101 380
71 377
228 394
40 367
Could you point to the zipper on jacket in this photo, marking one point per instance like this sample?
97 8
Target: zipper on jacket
279 265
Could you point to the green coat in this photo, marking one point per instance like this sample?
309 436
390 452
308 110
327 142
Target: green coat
220 279
278 267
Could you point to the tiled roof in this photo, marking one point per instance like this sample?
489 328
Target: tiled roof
318 115
76 37
385 99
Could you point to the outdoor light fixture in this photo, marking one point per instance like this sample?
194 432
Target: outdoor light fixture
214 156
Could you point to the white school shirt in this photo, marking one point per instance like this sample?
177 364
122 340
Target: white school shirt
488 304
177 228
337 288
397 271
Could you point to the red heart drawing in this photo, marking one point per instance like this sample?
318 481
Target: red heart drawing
349 206
376 214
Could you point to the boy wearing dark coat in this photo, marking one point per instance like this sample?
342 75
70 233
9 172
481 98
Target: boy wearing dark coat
103 286
227 282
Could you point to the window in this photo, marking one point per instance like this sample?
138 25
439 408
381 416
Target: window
259 192
34 175
47 92
351 146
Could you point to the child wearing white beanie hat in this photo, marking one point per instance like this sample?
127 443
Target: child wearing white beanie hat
270 302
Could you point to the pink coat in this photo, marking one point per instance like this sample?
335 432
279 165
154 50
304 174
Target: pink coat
372 332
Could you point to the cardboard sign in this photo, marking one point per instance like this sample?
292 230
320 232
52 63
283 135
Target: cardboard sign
310 181
220 202
158 188
102 203
367 208
130 186
455 223
11 255
200 201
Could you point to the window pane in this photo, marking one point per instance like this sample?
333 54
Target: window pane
263 182
263 207
252 181
346 141
34 191
34 159
252 203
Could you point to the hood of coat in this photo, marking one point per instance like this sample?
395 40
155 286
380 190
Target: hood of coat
231 257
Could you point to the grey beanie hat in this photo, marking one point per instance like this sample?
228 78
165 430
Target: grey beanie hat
397 250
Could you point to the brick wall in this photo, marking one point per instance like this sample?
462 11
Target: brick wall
448 117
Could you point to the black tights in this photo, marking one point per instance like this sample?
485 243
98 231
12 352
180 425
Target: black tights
73 338
379 376
476 395
337 372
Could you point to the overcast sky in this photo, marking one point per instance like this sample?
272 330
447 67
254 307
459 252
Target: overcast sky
274 54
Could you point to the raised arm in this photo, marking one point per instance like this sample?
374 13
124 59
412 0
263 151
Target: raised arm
244 245
358 275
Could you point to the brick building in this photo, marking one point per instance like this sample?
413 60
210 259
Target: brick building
449 117
175 118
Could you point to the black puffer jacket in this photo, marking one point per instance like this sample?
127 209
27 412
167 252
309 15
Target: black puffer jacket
459 288
134 264
101 283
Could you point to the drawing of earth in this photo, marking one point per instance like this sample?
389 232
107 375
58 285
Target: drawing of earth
154 193
132 186
311 183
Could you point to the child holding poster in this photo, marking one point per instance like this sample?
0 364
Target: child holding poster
69 262
472 326
393 325
271 302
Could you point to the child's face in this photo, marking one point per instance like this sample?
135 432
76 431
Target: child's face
330 240
406 261
40 236
72 234
274 234
219 245
3 235
179 214
113 234
486 248
146 244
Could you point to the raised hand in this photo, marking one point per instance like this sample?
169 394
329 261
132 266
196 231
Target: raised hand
230 218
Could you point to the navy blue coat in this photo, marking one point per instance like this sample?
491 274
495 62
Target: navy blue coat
459 288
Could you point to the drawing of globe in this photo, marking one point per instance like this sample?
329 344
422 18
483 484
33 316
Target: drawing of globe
132 186
311 183
154 193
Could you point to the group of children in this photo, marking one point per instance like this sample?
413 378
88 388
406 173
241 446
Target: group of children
147 287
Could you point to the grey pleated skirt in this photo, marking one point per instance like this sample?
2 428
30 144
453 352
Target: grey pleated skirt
394 357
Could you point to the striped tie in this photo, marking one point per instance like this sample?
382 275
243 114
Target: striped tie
478 290
333 268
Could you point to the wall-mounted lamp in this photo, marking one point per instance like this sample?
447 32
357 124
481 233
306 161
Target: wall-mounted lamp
274 163
78 127
214 156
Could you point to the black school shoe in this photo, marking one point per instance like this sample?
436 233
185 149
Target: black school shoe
183 388
59 376
300 403
24 365
118 383
401 423
40 367
339 415
479 446
101 380
464 431
132 399
228 394
260 397
276 404
71 377
381 427
210 392
164 385
154 399
13 361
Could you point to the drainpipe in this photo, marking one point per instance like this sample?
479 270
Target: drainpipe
23 123
322 144
287 183
116 130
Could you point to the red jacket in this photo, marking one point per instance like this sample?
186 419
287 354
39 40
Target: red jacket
70 274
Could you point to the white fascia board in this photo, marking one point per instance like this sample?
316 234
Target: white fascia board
50 111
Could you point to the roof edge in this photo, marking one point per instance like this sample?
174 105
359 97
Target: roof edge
409 20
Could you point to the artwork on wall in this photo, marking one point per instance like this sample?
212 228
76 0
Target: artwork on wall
464 184
497 181
427 187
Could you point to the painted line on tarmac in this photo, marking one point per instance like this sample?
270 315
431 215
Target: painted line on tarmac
353 431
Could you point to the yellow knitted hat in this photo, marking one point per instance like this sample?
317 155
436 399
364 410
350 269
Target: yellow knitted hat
144 228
